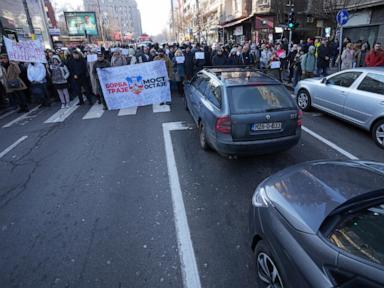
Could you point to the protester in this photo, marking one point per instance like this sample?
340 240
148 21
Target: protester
77 67
188 63
323 57
59 75
169 65
347 57
233 59
246 56
291 60
37 77
265 57
297 67
14 86
375 57
219 59
119 60
179 68
100 63
308 63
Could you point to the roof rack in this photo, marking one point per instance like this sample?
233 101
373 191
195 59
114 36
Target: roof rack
250 67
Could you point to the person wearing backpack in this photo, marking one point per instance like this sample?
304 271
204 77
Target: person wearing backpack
59 75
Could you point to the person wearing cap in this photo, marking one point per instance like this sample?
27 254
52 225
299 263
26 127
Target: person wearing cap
14 86
77 67
100 63
59 75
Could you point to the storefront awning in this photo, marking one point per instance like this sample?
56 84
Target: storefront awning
237 22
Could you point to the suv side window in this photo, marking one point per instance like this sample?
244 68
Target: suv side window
344 79
361 234
373 83
214 94
203 85
196 80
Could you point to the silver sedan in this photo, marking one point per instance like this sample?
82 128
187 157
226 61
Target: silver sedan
354 95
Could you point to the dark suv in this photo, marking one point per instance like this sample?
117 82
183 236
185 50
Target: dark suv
242 111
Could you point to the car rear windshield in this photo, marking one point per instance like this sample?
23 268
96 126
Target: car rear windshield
254 99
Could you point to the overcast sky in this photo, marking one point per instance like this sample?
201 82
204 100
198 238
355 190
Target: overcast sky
154 13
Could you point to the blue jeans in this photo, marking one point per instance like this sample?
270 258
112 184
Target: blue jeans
322 71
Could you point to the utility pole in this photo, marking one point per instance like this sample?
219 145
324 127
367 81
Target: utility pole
198 21
29 19
173 22
101 24
291 12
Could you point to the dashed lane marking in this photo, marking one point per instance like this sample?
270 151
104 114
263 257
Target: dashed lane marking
9 148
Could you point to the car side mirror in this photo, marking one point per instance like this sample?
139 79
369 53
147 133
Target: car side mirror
324 81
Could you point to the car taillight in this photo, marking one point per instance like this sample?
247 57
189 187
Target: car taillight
300 118
223 125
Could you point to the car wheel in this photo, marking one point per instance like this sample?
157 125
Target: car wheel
378 133
203 138
186 103
268 273
303 100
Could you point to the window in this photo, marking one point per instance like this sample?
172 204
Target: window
372 83
344 79
362 234
203 85
196 80
255 99
213 94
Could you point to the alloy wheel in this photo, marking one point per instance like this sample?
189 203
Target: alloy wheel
303 100
380 134
268 272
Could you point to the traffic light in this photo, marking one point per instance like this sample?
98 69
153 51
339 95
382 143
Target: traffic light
292 24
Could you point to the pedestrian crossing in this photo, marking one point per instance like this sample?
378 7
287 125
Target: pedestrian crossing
96 111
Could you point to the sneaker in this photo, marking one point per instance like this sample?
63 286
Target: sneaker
67 105
62 106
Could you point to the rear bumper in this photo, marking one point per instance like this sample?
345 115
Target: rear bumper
257 147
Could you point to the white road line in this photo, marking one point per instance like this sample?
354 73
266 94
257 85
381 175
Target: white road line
21 117
62 114
7 114
96 111
157 108
2 154
127 111
330 144
190 272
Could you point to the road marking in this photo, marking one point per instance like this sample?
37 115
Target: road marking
7 114
96 111
2 154
190 273
330 144
22 117
127 111
62 114
157 108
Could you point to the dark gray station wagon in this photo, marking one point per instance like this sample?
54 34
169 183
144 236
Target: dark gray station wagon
240 111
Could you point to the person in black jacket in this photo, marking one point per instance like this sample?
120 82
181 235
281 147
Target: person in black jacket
188 63
219 59
246 56
324 54
77 67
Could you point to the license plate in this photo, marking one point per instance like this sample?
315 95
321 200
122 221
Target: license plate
266 126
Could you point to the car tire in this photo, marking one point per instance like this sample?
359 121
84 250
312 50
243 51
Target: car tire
186 103
378 133
303 100
203 138
265 265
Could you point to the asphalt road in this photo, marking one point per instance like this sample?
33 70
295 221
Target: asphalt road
88 203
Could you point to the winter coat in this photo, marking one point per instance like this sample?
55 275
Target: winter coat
323 52
59 73
179 69
347 59
188 65
233 59
120 61
219 60
99 64
374 59
78 67
36 73
12 72
247 58
308 62
264 58
168 64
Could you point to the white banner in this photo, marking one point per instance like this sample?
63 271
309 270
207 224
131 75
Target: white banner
25 51
135 85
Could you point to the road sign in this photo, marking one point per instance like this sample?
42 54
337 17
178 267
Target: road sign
342 17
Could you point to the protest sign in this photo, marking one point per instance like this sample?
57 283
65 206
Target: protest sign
135 85
91 58
199 55
275 64
25 51
180 59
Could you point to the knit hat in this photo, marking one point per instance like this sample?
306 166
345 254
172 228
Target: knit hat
56 57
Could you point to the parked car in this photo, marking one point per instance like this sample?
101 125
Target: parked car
240 111
355 95
320 224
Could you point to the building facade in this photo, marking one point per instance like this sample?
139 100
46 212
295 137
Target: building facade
14 24
118 17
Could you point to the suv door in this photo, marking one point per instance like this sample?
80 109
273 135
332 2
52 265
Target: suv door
194 95
367 100
359 238
331 95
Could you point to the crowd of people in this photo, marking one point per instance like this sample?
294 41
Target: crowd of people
68 74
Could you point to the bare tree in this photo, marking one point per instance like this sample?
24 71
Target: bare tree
328 9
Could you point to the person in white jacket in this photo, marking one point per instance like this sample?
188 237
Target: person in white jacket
37 76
